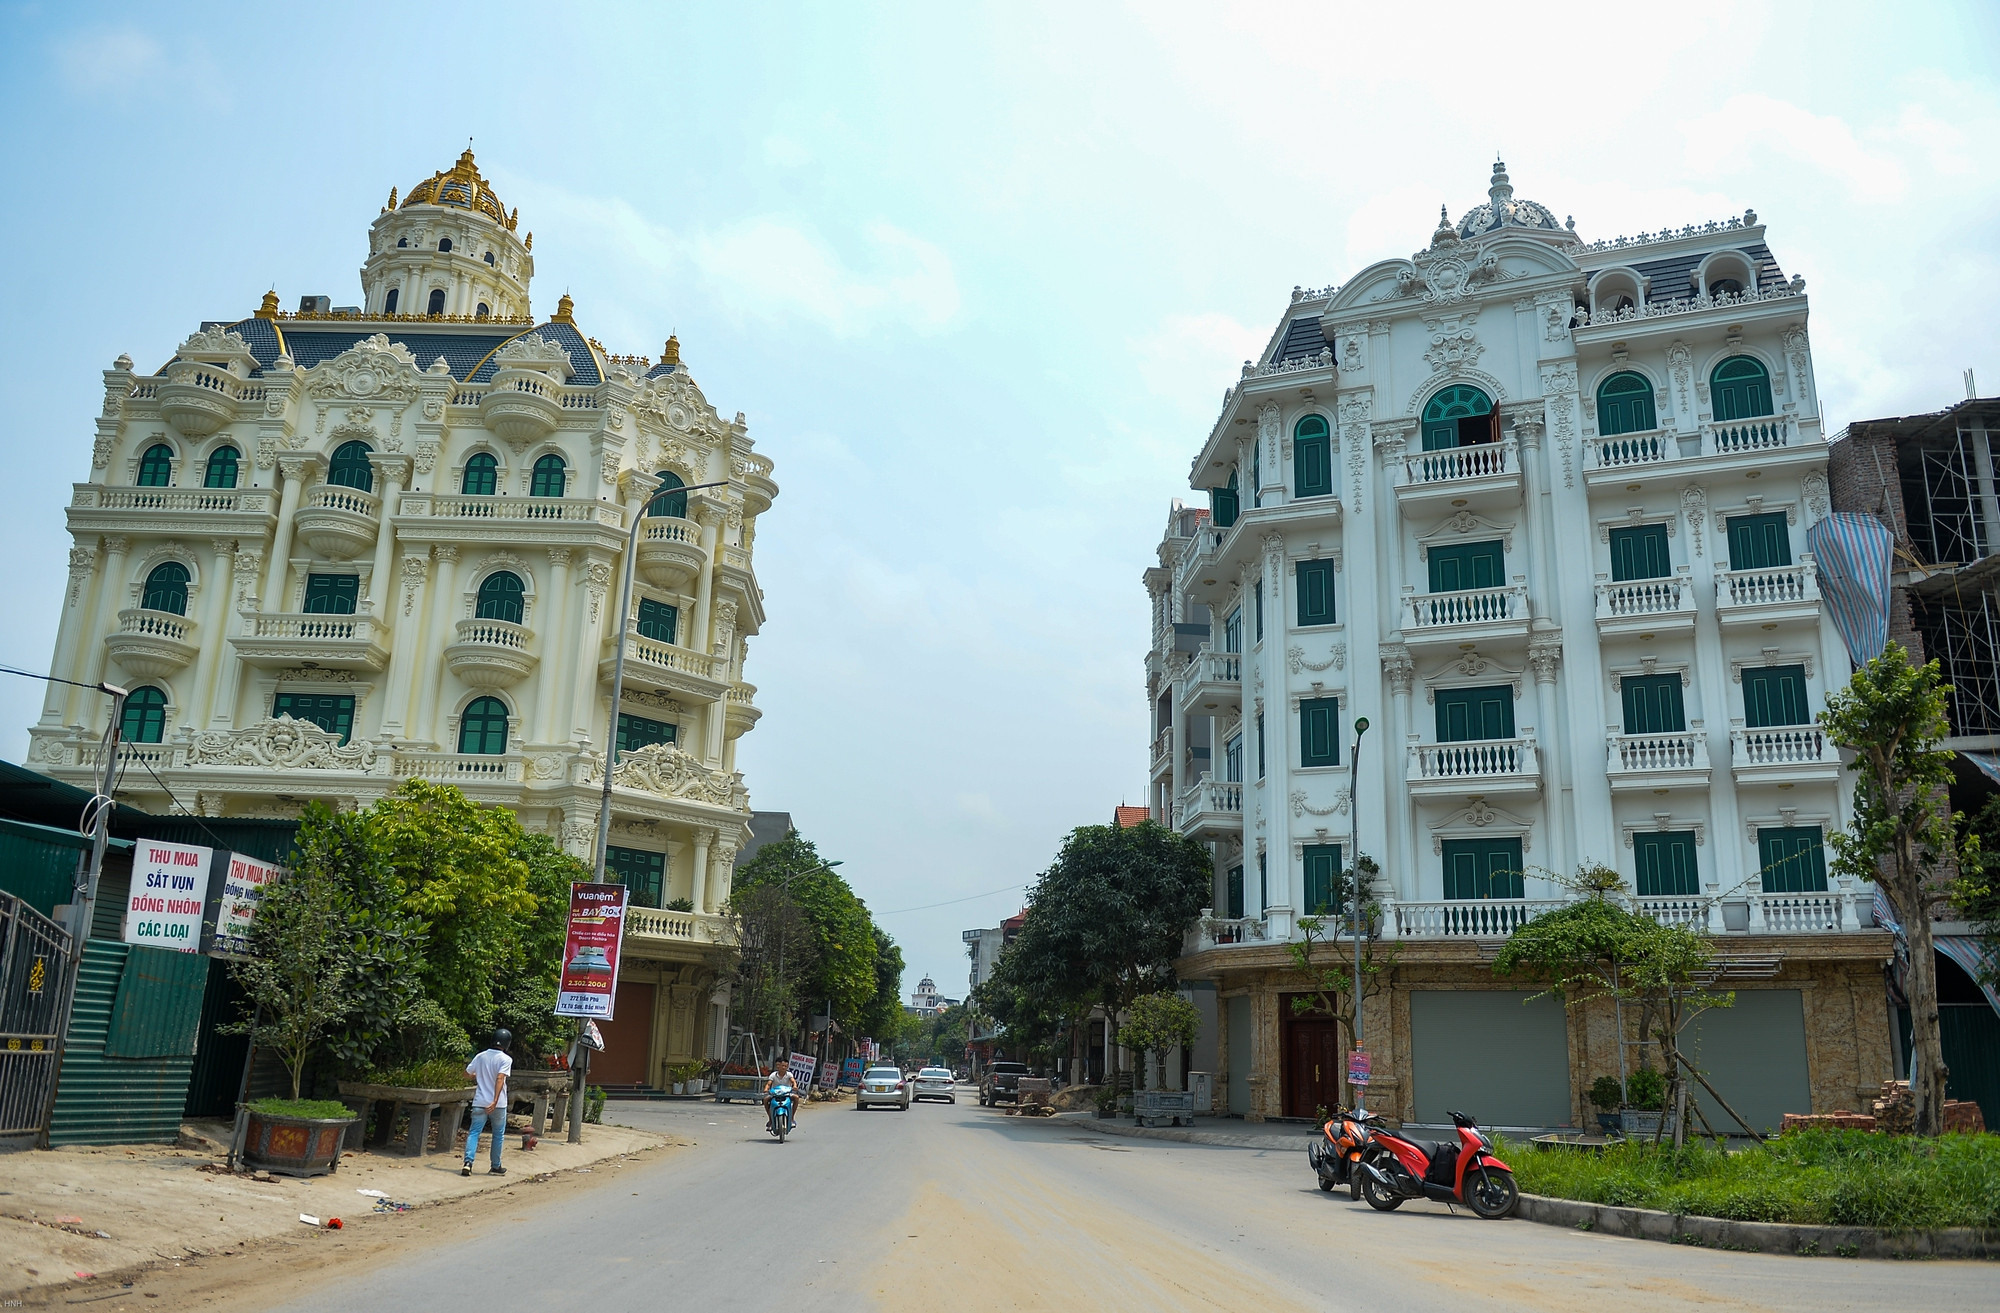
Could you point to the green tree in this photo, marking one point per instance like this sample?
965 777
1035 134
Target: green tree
1328 965
843 972
1891 716
1158 1023
524 987
884 1015
777 953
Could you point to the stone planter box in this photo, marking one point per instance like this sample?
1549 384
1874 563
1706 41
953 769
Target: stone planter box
294 1146
548 1092
424 1106
731 1086
1639 1125
1164 1107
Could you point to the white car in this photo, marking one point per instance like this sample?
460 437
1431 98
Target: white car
935 1083
882 1087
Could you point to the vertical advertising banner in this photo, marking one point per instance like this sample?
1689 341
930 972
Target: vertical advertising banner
590 952
802 1070
242 882
169 891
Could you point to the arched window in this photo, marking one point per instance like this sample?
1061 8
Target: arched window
221 471
482 475
667 501
489 257
156 466
166 589
145 718
549 479
1458 417
1625 405
402 242
500 597
1312 458
389 301
437 302
1741 388
482 730
481 312
444 243
350 467
1725 287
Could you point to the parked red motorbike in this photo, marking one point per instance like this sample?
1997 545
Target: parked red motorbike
1337 1152
1460 1171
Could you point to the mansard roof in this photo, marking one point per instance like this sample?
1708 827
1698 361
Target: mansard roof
469 353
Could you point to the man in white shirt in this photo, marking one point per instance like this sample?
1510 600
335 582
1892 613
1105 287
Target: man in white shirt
489 1101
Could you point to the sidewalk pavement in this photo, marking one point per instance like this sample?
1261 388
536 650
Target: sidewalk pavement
71 1214
1280 1136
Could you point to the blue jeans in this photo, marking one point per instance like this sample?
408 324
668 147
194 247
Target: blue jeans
496 1120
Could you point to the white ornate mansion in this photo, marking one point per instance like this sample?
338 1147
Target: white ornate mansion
333 549
1537 509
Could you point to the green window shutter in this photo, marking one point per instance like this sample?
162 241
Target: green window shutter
501 597
1232 630
145 718
1467 715
550 477
1793 860
1774 695
482 730
1260 745
335 715
658 621
1741 388
1640 553
1483 868
1460 566
639 732
1316 593
158 1006
1666 864
666 501
1322 879
351 468
1257 606
1653 704
642 873
221 472
1443 426
1232 759
1625 405
1223 503
332 594
482 475
1263 884
166 589
156 466
1235 892
1312 458
1319 732
1759 542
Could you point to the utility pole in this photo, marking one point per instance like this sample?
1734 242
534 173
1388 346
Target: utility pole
580 1076
1354 886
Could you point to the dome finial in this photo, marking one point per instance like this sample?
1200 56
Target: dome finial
269 310
1501 189
670 354
565 311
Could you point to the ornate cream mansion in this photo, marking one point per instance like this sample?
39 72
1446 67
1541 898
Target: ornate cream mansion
332 549
1539 509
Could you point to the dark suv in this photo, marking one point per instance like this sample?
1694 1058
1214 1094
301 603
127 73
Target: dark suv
1001 1080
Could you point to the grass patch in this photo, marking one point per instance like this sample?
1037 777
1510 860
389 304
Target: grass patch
1814 1177
301 1108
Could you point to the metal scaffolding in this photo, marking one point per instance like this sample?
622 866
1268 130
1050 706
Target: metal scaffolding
1961 630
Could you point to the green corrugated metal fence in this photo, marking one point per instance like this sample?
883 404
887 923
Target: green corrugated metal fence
38 864
158 1005
107 1100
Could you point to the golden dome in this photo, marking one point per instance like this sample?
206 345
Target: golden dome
460 187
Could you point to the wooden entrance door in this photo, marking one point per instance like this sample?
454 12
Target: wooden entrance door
628 1040
1313 1075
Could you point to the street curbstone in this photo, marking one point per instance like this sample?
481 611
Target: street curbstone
1758 1237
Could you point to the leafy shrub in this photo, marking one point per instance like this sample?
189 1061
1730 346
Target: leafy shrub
1646 1090
437 1074
1605 1094
593 1104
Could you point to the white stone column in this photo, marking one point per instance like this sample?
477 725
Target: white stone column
1406 854
559 653
698 893
410 608
721 876
395 472
1545 658
71 632
597 614
710 518
424 723
110 596
295 470
217 584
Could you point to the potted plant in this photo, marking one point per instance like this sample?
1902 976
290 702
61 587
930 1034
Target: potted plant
684 1074
1606 1095
1645 1100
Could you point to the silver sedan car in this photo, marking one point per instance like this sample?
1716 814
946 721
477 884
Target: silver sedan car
935 1083
882 1087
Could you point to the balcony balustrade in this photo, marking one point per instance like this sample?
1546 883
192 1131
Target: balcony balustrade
522 406
1485 766
1212 682
1465 616
1737 437
1658 761
1633 606
337 521
192 501
491 653
567 510
1163 751
667 667
1782 754
1479 476
651 923
670 550
284 640
197 399
1759 597
462 768
152 644
1210 805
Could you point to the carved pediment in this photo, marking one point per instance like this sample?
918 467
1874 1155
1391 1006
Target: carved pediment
533 351
664 769
280 744
374 369
217 344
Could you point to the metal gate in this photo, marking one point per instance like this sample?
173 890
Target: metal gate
33 952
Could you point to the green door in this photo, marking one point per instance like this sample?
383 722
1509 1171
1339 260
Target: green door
1793 859
1666 865
1640 553
1742 389
1759 542
1312 457
1482 868
1653 704
1467 565
332 594
1316 593
1625 405
1775 695
642 873
1235 892
1466 715
1322 878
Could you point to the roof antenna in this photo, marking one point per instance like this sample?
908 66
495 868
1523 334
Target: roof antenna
1971 389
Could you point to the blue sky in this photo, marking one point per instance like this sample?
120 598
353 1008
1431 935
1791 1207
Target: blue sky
977 278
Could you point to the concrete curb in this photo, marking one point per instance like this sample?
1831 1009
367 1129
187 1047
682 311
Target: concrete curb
1759 1237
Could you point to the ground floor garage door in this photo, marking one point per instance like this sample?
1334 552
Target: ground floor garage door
627 1040
1491 1053
1755 1055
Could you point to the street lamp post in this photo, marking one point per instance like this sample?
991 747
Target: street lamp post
1354 886
580 1079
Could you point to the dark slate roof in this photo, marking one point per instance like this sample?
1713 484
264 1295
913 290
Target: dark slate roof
1672 279
581 358
661 370
1302 338
470 355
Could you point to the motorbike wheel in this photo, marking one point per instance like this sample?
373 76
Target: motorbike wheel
1379 1199
1354 1187
1490 1192
781 1132
1326 1181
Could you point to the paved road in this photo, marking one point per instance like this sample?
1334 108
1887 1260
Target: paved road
964 1207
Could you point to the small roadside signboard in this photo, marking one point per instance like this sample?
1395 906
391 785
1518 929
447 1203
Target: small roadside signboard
1358 1067
169 894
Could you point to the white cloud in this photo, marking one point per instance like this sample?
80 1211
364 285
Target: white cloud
110 59
1747 131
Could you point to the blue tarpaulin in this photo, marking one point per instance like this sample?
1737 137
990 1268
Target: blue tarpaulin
1853 553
